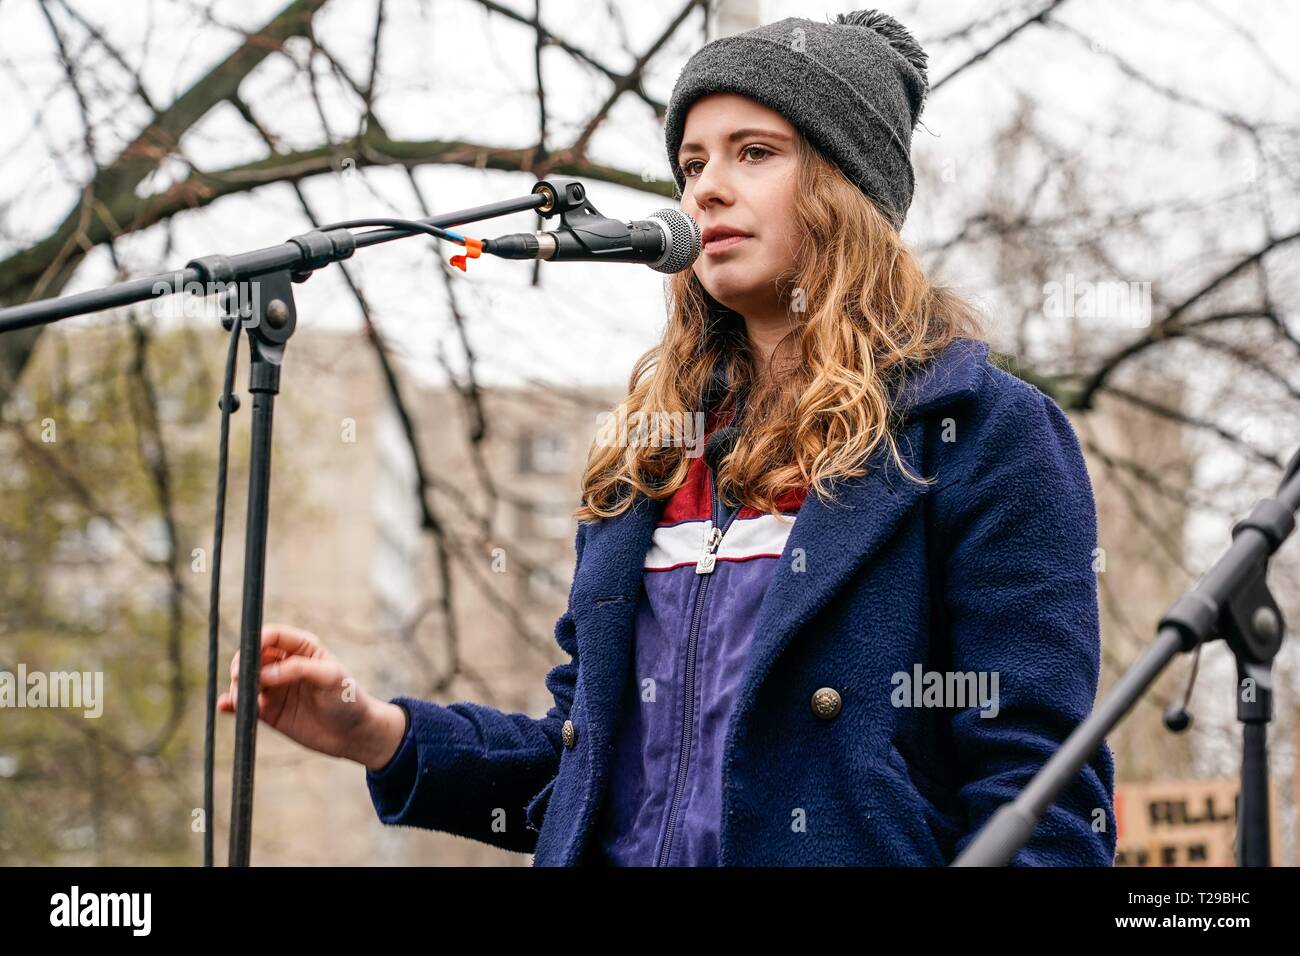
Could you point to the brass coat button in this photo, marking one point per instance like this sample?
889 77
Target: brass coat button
569 734
826 702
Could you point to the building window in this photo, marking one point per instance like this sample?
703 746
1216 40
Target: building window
395 562
543 452
551 520
545 584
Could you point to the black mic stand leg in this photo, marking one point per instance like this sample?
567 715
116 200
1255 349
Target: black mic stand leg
272 317
1254 711
1252 626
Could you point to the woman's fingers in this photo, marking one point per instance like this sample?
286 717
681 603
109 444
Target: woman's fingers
226 702
280 641
289 655
291 640
268 654
323 674
318 673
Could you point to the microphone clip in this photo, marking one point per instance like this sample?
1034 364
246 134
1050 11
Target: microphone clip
564 194
583 223
667 241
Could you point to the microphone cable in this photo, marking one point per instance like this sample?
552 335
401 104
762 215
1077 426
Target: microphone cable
228 403
473 247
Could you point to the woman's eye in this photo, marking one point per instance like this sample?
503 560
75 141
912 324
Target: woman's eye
763 152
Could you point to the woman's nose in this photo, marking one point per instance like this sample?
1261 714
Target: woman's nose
712 185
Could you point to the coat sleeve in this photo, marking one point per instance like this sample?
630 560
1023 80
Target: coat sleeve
1021 603
471 770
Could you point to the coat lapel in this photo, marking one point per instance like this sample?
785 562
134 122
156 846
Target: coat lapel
830 540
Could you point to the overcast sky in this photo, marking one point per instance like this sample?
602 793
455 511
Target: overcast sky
453 71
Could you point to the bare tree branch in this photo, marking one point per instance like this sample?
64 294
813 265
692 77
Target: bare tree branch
1000 41
1167 325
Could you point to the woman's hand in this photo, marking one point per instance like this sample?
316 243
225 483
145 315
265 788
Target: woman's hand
307 695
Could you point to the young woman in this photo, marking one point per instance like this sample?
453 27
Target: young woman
855 626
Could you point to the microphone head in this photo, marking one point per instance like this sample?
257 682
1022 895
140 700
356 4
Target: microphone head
683 244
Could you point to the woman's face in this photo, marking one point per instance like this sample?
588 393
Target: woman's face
739 161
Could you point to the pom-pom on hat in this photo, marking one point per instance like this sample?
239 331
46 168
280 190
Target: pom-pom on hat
854 87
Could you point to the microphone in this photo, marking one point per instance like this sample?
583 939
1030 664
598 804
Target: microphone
668 241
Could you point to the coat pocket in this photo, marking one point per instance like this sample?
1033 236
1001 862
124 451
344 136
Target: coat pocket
537 805
938 792
943 812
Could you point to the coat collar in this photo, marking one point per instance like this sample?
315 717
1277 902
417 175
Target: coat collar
950 377
829 541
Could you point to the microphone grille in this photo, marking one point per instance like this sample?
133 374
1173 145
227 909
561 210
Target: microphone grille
683 241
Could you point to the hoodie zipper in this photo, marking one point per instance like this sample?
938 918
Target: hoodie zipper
706 564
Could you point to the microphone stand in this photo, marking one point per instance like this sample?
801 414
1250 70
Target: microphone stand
261 282
1230 601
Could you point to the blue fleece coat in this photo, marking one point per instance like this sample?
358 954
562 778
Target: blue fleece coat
988 571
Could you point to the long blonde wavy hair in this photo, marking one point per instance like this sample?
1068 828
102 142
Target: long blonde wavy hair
868 315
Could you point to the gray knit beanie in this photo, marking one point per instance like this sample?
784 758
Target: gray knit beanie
854 87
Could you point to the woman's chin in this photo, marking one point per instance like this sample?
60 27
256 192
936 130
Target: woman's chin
731 286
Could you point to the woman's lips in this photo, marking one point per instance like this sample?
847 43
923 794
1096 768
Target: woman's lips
718 246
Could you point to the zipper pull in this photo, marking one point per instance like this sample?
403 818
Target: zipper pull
709 558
